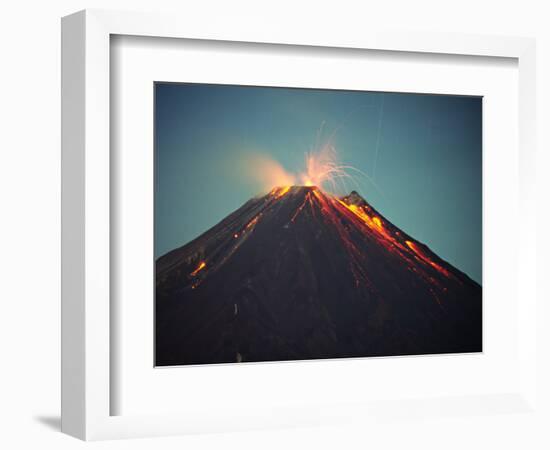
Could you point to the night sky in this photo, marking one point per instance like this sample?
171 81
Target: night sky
423 154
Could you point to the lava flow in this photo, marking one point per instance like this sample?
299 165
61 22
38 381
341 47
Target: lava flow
303 274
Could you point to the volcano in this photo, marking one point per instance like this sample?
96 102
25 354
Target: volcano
302 274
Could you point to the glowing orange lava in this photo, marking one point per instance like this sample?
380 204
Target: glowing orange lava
421 255
253 222
374 223
201 266
280 191
306 200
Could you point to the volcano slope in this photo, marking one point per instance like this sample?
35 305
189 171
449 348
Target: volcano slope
301 274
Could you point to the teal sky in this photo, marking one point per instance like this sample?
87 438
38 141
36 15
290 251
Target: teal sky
423 153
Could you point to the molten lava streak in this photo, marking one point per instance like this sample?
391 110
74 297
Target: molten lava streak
422 256
201 266
253 222
374 223
280 191
307 199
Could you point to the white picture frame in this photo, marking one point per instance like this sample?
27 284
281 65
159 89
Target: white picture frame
86 325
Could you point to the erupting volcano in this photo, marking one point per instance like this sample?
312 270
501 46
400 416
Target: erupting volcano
303 274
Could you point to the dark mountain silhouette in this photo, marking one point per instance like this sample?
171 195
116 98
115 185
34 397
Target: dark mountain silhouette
301 274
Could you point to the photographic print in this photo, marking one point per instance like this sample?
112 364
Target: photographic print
296 224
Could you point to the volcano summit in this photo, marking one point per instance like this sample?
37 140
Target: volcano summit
301 274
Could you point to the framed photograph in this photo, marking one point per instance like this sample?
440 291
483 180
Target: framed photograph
253 218
256 262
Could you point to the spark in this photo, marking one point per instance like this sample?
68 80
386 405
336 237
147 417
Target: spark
322 168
